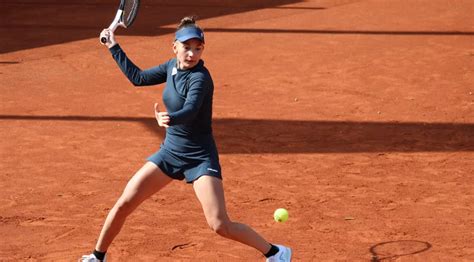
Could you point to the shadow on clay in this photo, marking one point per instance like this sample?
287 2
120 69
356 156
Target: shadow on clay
391 250
260 136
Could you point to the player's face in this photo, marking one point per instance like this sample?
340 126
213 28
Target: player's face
188 53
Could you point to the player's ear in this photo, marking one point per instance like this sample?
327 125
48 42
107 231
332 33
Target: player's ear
175 47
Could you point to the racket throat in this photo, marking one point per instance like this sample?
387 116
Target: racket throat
117 21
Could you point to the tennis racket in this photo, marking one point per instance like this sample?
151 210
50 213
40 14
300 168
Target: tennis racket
126 14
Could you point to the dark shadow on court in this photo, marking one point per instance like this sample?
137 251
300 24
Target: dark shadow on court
247 136
391 250
167 30
29 24
338 32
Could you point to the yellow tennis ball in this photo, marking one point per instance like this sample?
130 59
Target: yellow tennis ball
280 215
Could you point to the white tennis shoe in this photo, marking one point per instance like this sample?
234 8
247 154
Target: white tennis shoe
283 255
91 258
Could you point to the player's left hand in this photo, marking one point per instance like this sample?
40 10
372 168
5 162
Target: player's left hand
162 118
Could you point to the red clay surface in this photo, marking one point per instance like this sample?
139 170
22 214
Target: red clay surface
356 116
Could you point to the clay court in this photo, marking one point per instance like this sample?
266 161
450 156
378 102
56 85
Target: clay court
356 116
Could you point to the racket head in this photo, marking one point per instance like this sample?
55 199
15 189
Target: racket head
125 16
130 11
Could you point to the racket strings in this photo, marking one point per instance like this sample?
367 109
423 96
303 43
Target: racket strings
130 11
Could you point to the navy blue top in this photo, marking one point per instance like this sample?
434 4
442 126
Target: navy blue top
188 100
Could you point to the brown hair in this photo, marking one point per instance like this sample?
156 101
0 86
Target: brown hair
188 21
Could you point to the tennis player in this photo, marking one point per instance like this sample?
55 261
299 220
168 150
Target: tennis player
188 152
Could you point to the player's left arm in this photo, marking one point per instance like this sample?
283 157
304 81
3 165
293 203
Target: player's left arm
198 90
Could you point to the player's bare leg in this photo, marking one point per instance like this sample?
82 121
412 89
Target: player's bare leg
210 192
147 181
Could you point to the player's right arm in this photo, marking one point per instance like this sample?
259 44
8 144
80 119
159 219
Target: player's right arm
138 77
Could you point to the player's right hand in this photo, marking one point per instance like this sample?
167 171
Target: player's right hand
110 36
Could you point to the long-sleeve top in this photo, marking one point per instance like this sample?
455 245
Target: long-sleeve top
187 97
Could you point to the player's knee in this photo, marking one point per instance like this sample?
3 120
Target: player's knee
123 207
221 227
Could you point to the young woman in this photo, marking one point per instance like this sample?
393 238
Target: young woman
188 152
